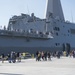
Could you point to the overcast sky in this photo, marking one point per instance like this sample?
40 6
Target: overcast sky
8 8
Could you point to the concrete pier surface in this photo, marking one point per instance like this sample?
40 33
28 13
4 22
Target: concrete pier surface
62 66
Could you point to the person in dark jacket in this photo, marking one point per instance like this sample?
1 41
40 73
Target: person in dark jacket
49 56
2 58
9 58
45 55
37 55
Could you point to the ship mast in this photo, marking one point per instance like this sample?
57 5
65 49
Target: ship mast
54 7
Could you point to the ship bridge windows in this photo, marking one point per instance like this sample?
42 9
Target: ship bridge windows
12 22
56 28
57 44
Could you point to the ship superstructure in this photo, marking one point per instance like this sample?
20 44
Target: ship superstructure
30 33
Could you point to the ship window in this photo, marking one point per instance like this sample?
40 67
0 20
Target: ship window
56 28
68 31
72 31
47 33
40 32
57 34
13 22
57 44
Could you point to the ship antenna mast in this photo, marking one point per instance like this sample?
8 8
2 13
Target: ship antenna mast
72 16
28 10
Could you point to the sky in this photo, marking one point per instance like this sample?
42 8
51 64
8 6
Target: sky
9 8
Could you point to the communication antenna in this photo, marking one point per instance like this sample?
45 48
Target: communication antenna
28 10
72 16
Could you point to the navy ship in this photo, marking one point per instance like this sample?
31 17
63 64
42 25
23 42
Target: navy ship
28 33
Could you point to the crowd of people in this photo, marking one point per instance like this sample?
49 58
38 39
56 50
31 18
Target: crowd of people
40 55
47 55
12 57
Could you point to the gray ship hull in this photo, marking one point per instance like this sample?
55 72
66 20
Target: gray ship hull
24 44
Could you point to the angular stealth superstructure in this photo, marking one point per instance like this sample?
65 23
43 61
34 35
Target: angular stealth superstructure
54 7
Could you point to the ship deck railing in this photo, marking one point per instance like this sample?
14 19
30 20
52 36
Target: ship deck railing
25 34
